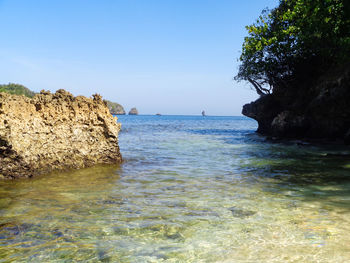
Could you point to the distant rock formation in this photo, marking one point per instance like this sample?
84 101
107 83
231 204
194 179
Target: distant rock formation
158 114
54 132
203 113
133 111
115 108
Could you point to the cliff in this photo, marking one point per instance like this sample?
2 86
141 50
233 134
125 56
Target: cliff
115 108
54 132
315 109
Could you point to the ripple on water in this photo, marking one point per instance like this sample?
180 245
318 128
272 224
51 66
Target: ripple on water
191 189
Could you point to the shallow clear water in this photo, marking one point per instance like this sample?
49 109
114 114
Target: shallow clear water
191 189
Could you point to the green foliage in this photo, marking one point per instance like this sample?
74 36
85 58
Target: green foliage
297 39
16 89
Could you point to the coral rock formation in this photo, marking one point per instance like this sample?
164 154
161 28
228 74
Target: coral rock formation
54 132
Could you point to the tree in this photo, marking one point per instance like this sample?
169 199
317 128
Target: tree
296 40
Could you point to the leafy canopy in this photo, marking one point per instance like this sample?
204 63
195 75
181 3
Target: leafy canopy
293 41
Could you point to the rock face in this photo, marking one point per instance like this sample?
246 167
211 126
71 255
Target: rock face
133 111
263 110
54 132
317 110
115 108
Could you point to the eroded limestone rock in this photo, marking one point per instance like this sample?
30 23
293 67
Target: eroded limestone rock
53 132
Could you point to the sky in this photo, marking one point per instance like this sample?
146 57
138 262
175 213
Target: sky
160 56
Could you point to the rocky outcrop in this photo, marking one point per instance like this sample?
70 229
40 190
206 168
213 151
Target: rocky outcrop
263 110
314 110
133 111
115 108
54 132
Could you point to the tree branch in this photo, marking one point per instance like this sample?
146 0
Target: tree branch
260 90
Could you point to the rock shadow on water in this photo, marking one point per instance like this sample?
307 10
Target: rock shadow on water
99 176
58 191
310 172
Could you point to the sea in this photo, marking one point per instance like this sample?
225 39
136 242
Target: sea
190 189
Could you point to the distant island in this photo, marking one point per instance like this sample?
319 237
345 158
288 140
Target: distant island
115 108
133 111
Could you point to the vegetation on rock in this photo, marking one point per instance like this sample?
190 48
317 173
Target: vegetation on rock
297 57
115 108
17 89
295 41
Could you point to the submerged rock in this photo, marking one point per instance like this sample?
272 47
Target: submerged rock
241 213
54 132
133 111
13 229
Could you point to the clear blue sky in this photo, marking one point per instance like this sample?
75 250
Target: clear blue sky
167 56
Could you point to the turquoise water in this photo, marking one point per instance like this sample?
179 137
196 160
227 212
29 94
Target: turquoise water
191 189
